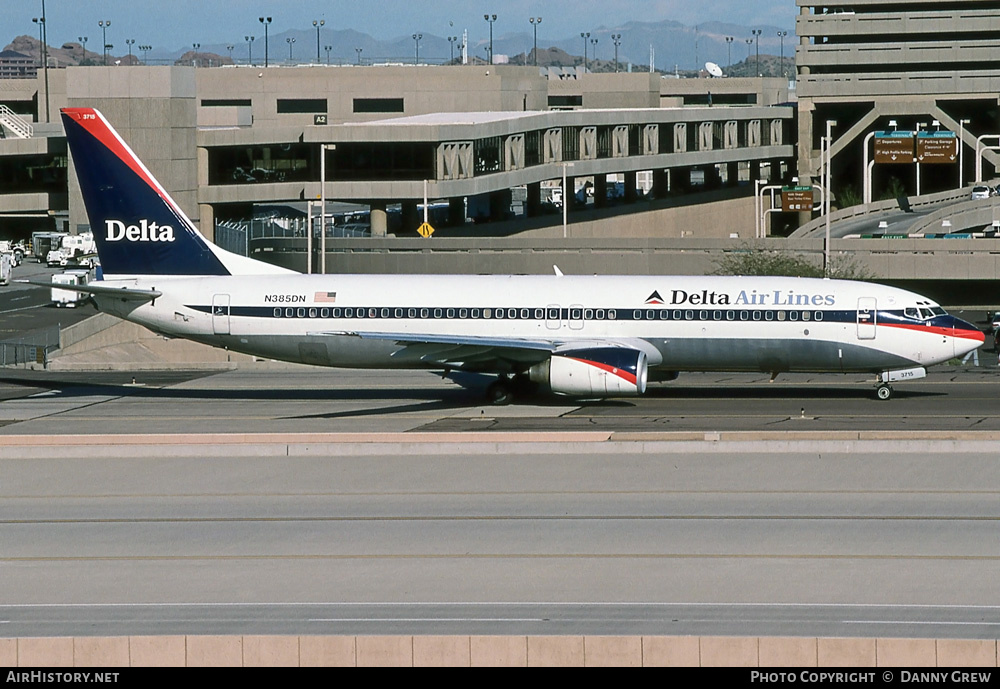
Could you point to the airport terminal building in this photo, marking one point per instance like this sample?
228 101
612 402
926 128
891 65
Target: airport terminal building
228 141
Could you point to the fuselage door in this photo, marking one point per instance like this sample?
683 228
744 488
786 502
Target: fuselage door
866 318
220 314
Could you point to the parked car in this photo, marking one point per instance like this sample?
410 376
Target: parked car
980 192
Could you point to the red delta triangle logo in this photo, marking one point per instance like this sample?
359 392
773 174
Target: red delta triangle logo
654 298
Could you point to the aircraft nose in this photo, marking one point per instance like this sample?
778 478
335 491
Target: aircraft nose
965 336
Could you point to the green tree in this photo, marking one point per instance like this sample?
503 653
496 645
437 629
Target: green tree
752 258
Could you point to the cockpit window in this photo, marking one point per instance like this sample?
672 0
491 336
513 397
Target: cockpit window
926 313
911 313
938 311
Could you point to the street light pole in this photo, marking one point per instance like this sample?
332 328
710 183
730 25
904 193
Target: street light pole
265 23
249 40
289 41
318 24
416 43
617 39
194 58
535 21
130 42
104 24
729 45
359 51
585 36
961 152
451 46
490 18
830 124
593 42
756 39
781 37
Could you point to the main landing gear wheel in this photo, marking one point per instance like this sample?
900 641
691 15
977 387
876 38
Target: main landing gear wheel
884 391
499 393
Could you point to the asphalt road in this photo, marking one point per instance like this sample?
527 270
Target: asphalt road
25 308
577 536
715 538
308 400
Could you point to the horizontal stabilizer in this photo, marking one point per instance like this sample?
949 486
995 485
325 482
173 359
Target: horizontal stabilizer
126 293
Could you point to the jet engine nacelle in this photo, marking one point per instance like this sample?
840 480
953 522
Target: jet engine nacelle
598 372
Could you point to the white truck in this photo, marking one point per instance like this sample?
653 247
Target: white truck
73 250
15 249
67 297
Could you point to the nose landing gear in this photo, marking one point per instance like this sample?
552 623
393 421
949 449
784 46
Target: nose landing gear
883 391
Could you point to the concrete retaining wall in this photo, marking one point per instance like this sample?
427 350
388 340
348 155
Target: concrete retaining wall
480 651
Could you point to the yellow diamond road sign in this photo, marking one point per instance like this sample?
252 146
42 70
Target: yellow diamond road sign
425 230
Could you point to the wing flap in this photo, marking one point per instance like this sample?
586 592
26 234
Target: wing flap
466 352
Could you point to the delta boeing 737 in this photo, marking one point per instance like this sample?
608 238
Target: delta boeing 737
587 336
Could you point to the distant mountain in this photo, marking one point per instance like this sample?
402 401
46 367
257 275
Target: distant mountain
670 45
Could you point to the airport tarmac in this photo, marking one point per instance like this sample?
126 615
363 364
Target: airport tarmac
293 500
286 536
301 399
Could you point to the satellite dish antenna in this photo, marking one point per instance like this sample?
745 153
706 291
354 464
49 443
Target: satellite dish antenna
713 69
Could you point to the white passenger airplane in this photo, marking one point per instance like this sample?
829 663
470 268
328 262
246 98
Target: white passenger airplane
588 336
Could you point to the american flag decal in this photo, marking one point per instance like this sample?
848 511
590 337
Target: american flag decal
326 297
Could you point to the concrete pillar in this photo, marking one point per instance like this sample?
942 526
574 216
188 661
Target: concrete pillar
600 191
207 221
456 211
681 179
569 193
754 171
630 181
661 184
410 218
499 205
713 180
533 206
378 218
732 174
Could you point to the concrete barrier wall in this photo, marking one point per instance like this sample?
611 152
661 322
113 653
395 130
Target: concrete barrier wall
494 651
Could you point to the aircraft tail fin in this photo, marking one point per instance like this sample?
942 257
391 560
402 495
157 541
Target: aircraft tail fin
138 228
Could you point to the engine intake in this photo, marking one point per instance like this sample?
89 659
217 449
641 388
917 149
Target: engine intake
598 372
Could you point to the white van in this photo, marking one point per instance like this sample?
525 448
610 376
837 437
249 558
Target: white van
67 297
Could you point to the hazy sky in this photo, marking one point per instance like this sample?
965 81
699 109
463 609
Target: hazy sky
173 24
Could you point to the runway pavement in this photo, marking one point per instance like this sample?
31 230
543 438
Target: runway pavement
802 538
292 500
294 399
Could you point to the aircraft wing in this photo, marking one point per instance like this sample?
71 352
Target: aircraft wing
464 352
125 293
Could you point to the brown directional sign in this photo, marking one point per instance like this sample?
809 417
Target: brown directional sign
796 199
938 149
893 149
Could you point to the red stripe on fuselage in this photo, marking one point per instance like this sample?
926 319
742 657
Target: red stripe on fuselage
613 370
937 330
